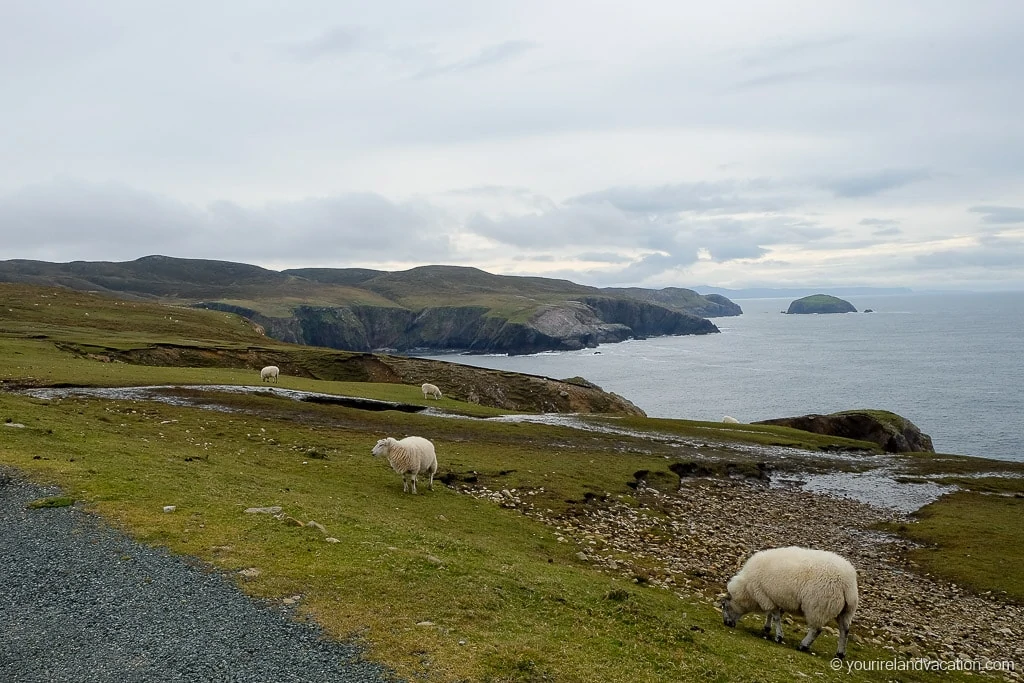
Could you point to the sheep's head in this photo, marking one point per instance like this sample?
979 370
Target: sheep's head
729 612
381 448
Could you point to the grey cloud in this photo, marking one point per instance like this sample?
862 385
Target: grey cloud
781 78
700 197
602 224
733 252
652 265
487 56
773 229
342 228
93 221
521 195
335 41
770 52
886 227
115 222
874 183
603 257
571 225
999 254
493 54
999 214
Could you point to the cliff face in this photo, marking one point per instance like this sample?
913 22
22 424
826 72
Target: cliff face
449 308
645 319
685 300
568 326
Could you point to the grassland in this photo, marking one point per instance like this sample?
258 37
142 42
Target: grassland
440 586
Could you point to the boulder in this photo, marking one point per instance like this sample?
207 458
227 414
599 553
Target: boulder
893 433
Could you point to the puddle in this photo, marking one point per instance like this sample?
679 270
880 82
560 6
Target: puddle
878 487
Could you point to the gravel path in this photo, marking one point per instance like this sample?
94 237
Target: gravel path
81 602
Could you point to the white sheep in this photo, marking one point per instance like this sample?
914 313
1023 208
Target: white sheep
431 390
730 420
409 457
819 584
271 372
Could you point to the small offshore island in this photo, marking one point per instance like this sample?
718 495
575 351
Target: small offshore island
821 303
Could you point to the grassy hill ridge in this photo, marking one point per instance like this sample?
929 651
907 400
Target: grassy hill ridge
429 307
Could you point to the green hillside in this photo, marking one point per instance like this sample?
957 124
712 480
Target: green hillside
544 552
444 308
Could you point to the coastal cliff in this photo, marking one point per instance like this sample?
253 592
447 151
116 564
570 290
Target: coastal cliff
430 308
567 326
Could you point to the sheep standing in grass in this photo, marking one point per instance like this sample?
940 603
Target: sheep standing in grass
271 372
429 390
819 584
410 457
729 419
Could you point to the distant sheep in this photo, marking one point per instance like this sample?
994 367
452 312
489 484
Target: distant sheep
271 372
819 584
429 390
410 457
730 420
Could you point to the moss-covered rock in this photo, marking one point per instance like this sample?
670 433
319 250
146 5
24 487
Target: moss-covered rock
894 433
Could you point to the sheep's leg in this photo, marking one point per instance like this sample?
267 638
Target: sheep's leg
414 483
405 483
812 633
844 619
430 484
774 616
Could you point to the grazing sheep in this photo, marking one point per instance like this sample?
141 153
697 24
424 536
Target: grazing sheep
270 372
817 583
431 390
730 419
409 457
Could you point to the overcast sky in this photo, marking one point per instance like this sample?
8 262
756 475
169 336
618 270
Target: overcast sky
661 143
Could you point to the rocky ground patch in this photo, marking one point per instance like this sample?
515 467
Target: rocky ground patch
694 539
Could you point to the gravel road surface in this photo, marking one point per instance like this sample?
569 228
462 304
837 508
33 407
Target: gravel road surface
82 602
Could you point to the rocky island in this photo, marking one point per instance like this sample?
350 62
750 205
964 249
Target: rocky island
821 303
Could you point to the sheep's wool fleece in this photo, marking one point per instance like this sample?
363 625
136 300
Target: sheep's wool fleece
413 454
816 582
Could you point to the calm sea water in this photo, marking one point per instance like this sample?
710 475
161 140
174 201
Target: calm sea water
953 364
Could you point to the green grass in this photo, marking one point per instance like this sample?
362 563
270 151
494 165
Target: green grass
519 602
505 600
973 539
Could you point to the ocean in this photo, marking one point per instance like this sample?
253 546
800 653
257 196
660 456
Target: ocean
952 363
